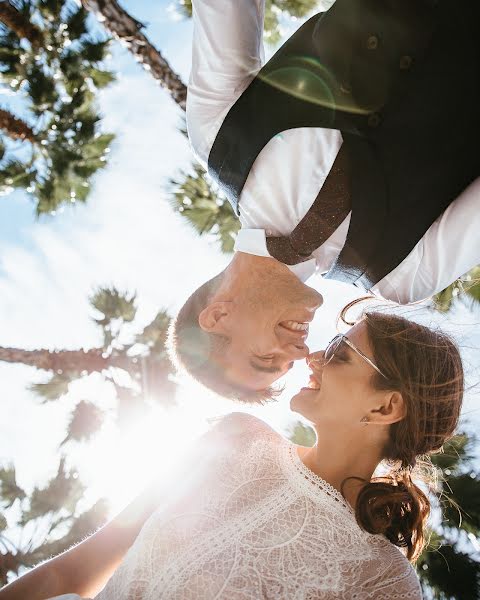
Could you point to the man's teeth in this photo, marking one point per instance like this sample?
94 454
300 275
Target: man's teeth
296 325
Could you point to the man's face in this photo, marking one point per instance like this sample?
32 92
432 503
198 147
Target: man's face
267 334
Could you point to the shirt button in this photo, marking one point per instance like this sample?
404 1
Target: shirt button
372 42
374 120
405 62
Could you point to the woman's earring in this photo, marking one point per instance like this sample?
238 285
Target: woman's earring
364 420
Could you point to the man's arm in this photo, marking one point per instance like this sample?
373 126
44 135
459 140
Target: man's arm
86 568
448 249
227 52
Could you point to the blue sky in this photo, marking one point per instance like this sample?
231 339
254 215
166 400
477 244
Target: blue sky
127 235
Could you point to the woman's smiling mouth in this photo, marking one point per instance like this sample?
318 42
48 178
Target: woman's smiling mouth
313 384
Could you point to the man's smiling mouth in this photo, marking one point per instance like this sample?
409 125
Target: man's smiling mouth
295 326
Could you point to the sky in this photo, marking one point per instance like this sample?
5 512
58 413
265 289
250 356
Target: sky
128 236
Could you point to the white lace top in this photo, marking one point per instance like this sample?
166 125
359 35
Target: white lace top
252 522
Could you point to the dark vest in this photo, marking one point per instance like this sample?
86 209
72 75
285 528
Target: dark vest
401 80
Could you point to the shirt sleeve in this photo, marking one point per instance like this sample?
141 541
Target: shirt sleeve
449 249
227 53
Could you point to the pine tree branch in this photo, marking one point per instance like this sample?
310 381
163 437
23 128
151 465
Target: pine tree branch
128 30
18 23
14 127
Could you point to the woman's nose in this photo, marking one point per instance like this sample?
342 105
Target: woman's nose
315 360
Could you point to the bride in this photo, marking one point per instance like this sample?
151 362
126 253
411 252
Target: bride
255 516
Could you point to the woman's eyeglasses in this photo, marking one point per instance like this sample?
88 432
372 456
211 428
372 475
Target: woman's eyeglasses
335 344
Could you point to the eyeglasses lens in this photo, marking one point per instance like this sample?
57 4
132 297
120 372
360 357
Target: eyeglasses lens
332 348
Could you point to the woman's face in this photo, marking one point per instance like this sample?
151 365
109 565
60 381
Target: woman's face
340 393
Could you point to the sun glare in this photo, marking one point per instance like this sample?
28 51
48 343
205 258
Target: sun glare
118 466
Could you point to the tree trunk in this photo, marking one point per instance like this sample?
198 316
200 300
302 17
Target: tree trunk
15 128
128 30
18 23
64 361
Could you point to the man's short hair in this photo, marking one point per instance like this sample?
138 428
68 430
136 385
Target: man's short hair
196 352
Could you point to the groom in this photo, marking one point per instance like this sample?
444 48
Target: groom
353 153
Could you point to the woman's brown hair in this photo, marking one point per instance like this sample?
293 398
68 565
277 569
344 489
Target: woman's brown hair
425 367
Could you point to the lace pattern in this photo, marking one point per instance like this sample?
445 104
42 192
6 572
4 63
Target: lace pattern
256 524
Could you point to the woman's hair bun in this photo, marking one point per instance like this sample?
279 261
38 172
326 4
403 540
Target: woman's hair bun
396 508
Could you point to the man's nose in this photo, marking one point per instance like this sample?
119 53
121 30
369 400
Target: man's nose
319 300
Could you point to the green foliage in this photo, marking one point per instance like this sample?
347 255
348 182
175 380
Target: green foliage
464 513
54 388
466 289
113 305
154 334
116 308
143 356
444 560
208 212
302 435
44 523
450 573
85 421
133 360
58 78
15 174
64 490
9 490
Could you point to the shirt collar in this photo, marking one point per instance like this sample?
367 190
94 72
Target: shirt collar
253 241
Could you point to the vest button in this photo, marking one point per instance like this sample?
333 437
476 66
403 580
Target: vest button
374 120
372 42
405 62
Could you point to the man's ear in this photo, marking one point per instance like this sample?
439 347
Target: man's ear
392 410
214 317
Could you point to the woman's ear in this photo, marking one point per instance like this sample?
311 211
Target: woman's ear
214 317
392 409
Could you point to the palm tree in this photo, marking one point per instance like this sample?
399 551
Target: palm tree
129 31
44 523
15 128
466 289
17 21
142 358
449 567
48 58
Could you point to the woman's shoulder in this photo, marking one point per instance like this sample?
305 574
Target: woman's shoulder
397 577
239 424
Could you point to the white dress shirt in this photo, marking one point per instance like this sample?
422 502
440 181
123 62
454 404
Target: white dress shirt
290 170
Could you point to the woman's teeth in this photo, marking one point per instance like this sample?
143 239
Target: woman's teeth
296 326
